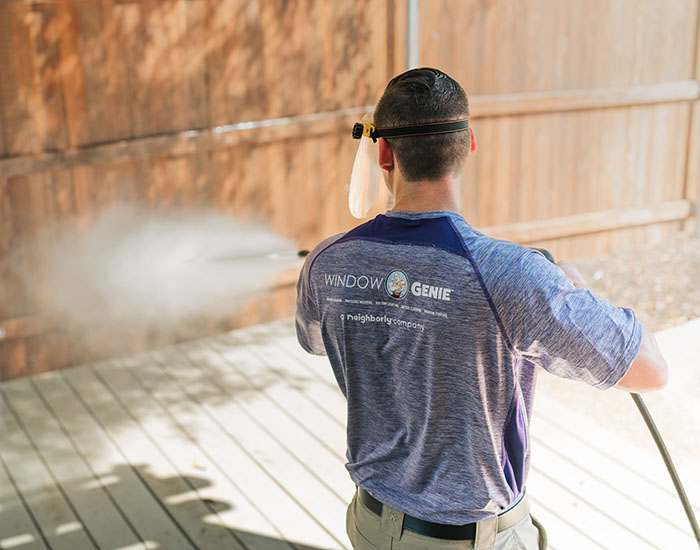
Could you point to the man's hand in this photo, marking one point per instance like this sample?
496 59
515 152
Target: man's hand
572 273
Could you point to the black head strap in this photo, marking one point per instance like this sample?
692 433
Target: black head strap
366 129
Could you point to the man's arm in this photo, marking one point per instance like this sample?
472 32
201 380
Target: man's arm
649 371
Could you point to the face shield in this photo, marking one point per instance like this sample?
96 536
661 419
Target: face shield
366 174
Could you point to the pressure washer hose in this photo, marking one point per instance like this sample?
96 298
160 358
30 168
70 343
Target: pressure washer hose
656 435
649 421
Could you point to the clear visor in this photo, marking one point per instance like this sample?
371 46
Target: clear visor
365 181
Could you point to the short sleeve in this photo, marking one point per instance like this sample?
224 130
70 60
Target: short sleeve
564 329
308 322
308 317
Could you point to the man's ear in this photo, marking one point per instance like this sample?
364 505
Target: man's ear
473 140
386 155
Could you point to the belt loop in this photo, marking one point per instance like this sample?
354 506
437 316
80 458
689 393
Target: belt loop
486 531
391 522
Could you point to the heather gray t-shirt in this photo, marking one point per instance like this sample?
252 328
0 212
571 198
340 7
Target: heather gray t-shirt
434 332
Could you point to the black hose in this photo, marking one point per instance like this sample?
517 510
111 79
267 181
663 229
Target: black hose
649 421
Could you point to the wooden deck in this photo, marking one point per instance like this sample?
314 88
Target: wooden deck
238 442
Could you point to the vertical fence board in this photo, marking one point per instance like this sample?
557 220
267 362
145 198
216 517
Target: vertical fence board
692 168
223 177
174 22
8 288
73 74
194 63
6 224
149 70
116 79
215 60
75 101
45 29
105 83
130 31
17 86
82 203
692 179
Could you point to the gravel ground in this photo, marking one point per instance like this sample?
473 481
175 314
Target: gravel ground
661 284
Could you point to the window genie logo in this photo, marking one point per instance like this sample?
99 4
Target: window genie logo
396 284
353 281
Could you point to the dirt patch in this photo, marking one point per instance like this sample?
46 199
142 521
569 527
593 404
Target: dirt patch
660 283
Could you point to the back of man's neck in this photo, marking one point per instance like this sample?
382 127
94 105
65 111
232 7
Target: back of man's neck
428 196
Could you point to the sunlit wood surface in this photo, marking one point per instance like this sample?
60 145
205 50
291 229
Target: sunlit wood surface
586 115
238 442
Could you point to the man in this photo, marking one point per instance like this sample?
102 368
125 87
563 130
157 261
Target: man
434 332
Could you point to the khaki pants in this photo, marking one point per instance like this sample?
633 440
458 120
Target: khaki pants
367 531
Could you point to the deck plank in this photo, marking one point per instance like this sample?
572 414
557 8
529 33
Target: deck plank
18 527
619 529
238 441
658 502
147 392
608 485
553 508
58 522
110 465
288 429
293 398
140 454
198 514
258 339
262 465
97 512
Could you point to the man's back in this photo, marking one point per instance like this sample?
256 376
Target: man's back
422 319
434 332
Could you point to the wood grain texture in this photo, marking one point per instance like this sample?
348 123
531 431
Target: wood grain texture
615 153
577 156
194 141
580 109
45 28
536 45
692 170
593 222
42 491
22 116
75 99
587 99
95 509
105 73
205 444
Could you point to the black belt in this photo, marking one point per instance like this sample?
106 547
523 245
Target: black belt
420 526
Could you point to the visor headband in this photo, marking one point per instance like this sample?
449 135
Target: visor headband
431 128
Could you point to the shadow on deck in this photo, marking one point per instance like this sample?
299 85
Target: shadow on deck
238 442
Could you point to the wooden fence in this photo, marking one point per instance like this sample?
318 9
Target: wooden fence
585 112
587 116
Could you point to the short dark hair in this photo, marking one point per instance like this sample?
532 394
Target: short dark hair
419 96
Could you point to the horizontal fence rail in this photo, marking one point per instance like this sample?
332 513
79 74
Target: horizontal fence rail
261 131
591 222
589 141
578 100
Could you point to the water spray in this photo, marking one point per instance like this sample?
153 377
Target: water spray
138 265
